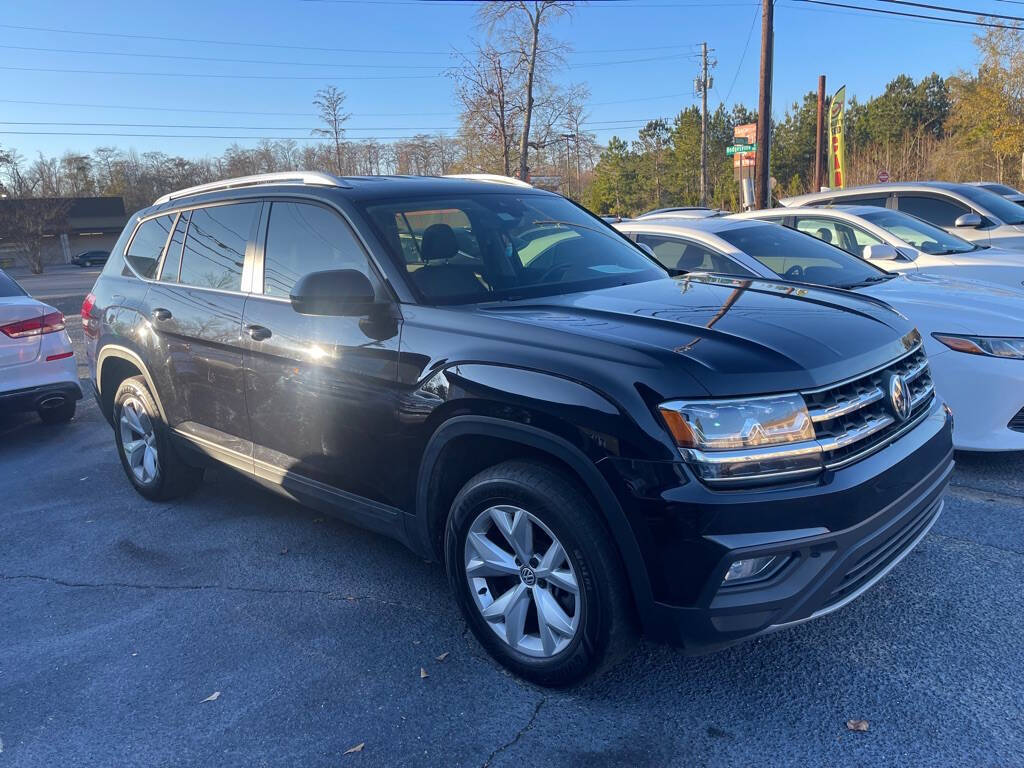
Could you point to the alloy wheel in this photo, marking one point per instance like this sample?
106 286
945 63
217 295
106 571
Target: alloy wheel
522 581
138 439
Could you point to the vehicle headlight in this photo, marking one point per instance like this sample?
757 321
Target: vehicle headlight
992 346
755 439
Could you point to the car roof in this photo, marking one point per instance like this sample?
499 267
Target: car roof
815 210
712 225
887 187
355 187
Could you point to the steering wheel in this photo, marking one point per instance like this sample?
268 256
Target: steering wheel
794 272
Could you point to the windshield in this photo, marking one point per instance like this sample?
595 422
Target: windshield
1006 211
800 257
504 245
918 233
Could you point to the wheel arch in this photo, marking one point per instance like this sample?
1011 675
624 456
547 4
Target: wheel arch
114 364
492 440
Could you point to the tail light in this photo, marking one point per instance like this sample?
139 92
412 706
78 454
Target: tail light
36 326
87 322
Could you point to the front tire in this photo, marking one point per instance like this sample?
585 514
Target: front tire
536 574
143 444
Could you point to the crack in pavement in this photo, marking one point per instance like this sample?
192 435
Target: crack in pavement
519 734
330 594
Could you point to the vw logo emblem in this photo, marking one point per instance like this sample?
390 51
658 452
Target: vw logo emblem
899 397
528 576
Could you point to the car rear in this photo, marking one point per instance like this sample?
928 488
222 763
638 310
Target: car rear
37 362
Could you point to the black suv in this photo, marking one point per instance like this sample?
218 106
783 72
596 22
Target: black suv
499 380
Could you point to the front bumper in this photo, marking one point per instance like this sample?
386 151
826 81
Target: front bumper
838 538
985 393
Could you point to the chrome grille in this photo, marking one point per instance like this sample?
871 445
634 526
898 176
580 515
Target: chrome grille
854 418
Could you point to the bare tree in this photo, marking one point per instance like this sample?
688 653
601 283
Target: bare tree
31 222
521 25
330 104
487 85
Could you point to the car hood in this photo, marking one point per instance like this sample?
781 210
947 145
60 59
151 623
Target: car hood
935 303
733 336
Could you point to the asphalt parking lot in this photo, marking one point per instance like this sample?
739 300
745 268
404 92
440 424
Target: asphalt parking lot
236 628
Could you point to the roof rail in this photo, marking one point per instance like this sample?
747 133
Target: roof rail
491 178
286 177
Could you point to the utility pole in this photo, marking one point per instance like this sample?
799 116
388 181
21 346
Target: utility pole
568 176
704 124
819 135
762 196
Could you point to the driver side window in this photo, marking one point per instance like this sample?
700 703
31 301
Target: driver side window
837 233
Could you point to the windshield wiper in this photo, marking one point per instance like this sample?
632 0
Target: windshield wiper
866 281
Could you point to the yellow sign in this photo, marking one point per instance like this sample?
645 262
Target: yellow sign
836 142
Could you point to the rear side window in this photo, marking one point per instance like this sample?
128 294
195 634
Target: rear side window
838 233
8 287
304 238
214 252
674 253
172 260
932 209
144 253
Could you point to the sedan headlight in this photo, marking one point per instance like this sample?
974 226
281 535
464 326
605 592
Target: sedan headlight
759 439
992 346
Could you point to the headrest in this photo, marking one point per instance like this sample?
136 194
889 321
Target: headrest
438 243
825 234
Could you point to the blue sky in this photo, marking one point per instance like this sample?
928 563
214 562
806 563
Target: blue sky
394 74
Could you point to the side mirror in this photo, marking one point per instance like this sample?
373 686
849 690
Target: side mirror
968 220
881 252
334 292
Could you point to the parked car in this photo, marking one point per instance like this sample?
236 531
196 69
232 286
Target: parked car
38 371
682 212
90 258
900 242
1011 194
494 377
971 330
973 213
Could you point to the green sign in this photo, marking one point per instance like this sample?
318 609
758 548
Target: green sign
739 149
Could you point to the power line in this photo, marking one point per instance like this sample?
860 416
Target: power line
746 45
346 129
207 41
906 14
321 78
179 57
950 9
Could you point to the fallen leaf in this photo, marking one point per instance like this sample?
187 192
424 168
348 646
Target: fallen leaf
857 725
443 656
318 519
423 673
357 748
212 697
284 551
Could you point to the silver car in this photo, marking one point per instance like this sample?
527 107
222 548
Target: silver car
972 212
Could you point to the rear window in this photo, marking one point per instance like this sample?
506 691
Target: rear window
144 253
215 245
8 287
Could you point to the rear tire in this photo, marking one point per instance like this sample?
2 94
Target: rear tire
553 619
59 415
143 444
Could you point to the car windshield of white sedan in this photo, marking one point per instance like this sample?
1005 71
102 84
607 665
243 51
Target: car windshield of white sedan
919 234
505 246
802 258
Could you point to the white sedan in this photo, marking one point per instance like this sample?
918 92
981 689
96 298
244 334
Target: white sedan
38 371
900 242
973 332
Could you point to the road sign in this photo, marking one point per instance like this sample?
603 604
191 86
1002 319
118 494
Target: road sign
883 176
737 149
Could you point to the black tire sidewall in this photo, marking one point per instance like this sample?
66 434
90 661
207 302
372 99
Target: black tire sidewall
586 649
135 387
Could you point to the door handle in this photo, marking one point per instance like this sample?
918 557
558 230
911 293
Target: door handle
162 314
258 332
